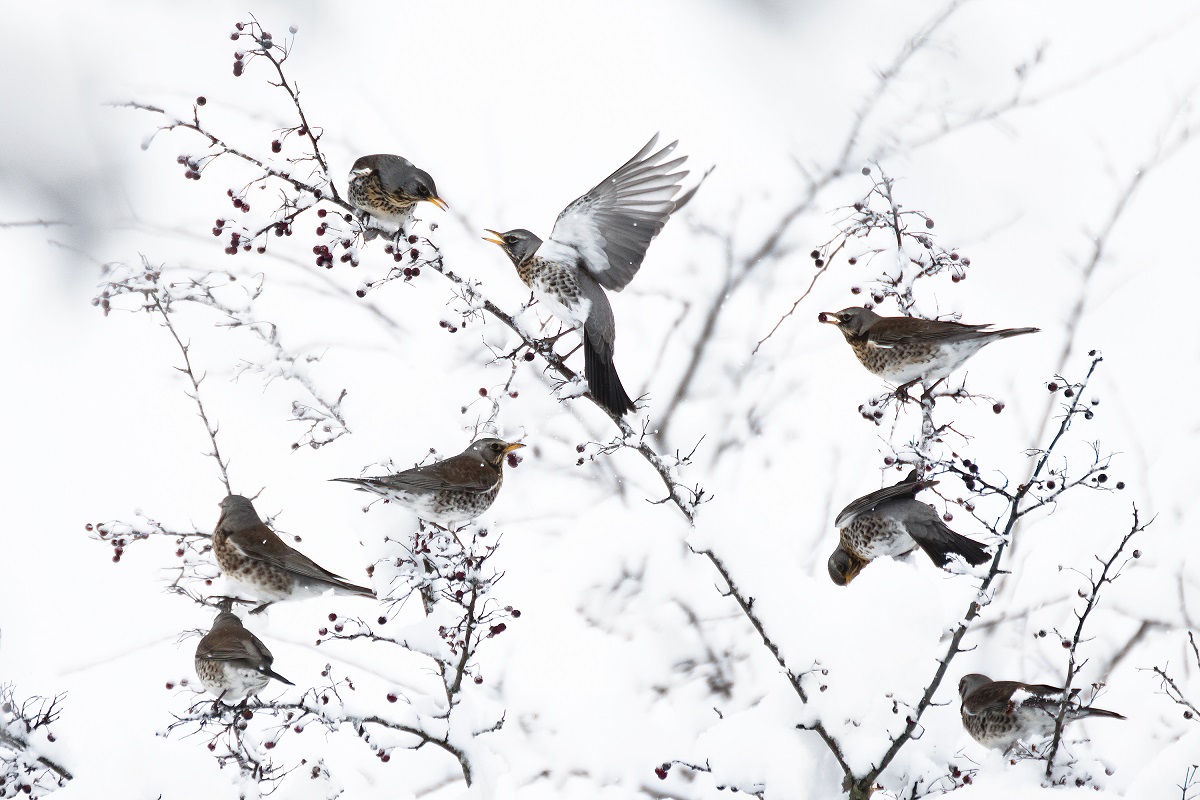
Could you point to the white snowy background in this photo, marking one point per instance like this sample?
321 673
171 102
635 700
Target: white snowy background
516 108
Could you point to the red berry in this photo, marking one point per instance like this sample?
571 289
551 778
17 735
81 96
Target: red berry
201 100
391 698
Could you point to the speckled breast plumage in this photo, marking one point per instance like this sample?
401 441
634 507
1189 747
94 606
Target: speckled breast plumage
1001 729
872 535
228 680
271 583
448 506
555 284
366 193
915 360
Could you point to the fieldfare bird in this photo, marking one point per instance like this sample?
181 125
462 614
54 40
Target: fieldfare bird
908 350
389 187
251 554
232 662
598 242
450 492
892 522
998 714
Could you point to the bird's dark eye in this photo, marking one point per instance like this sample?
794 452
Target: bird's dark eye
423 190
510 240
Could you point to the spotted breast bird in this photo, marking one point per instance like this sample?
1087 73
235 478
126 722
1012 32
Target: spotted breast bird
389 187
909 350
250 553
598 243
998 714
232 662
892 522
450 492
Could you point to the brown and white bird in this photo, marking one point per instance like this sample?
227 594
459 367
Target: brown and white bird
450 492
232 662
250 553
909 350
998 714
598 242
892 522
389 187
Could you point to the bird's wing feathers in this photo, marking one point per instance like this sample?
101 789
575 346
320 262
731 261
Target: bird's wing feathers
611 226
996 696
904 489
937 540
234 646
263 544
464 473
889 331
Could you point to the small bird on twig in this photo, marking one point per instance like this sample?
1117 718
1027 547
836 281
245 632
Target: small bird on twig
250 553
909 350
598 242
892 522
232 662
389 187
998 714
450 492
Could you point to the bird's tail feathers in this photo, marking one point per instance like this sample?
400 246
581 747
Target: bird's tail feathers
1091 711
603 381
939 542
363 483
273 674
349 588
1007 332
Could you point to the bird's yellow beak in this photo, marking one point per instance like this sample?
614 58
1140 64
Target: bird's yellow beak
830 317
513 446
499 237
439 202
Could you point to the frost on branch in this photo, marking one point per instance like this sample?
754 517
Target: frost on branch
26 738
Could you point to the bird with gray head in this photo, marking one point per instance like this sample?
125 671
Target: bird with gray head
389 187
598 242
892 522
909 350
251 554
450 492
232 662
998 714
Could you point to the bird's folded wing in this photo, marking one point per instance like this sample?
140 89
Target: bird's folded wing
890 331
877 498
235 648
265 545
611 226
445 475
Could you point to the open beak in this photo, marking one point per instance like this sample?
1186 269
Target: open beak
439 202
829 316
499 237
513 446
